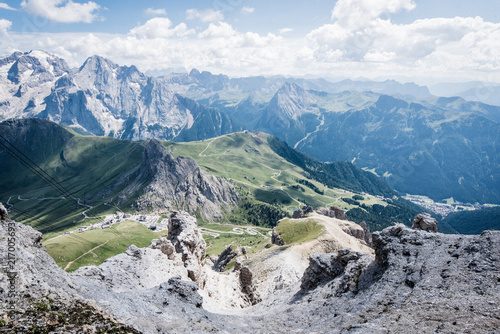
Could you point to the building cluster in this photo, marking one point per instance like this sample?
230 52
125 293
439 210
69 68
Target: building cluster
154 223
443 209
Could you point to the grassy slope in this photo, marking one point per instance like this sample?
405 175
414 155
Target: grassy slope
258 172
83 165
253 243
103 243
292 231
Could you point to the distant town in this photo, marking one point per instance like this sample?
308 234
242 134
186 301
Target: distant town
444 209
154 223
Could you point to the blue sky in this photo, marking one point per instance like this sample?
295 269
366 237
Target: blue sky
420 40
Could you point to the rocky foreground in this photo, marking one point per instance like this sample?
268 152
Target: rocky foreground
417 282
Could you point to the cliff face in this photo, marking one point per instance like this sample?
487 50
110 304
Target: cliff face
418 282
176 183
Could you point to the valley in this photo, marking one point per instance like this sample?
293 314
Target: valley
244 169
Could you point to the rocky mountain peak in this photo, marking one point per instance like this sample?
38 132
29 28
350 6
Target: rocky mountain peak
388 103
194 73
176 183
35 65
209 81
98 63
291 101
158 160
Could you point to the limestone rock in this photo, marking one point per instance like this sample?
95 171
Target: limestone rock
276 237
165 246
356 232
418 282
46 298
326 267
225 257
247 286
425 222
368 235
302 213
134 251
185 236
3 212
188 291
332 212
136 269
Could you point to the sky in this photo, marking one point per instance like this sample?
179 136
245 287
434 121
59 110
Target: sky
424 41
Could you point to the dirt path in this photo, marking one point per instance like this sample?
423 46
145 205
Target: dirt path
87 252
236 230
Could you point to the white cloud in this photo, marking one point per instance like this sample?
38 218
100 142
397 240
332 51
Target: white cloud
160 27
355 13
208 15
155 12
285 30
63 10
219 30
6 6
247 10
5 26
377 48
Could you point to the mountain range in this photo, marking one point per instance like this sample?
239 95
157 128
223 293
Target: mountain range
421 144
101 98
441 147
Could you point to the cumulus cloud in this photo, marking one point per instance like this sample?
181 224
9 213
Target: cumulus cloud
218 30
155 12
160 27
372 47
63 10
382 40
354 13
247 10
6 6
208 15
5 26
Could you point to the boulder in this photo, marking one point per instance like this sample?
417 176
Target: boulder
276 238
298 214
134 251
326 267
424 221
332 212
339 213
183 290
165 246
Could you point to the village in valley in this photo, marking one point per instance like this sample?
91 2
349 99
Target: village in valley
154 223
444 209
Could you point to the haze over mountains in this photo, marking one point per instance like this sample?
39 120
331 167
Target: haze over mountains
426 145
